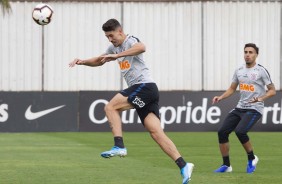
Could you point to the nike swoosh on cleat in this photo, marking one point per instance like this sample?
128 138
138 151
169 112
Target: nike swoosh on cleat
34 115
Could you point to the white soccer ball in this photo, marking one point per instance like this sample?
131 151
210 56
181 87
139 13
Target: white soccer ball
42 14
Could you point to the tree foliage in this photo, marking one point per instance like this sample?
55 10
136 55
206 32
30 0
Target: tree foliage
5 6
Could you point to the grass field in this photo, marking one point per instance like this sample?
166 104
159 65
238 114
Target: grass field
74 158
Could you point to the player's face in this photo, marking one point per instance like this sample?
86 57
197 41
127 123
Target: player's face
115 37
250 55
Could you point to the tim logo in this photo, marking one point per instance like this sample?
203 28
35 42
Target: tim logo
124 65
247 87
138 102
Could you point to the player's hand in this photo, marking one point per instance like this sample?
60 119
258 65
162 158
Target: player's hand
75 62
255 99
108 57
216 99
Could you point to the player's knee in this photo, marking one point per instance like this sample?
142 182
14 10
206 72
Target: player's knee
154 135
155 132
108 108
242 136
157 136
222 136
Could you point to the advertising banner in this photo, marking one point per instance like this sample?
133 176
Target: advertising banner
38 111
84 111
179 111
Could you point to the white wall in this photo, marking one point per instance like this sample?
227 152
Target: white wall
172 33
190 45
227 27
76 31
20 50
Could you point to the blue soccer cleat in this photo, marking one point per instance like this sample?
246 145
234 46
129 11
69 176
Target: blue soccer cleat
186 173
252 164
115 151
223 169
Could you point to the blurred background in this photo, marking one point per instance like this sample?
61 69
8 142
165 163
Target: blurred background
191 45
193 49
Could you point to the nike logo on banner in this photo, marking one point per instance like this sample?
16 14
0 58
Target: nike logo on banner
34 115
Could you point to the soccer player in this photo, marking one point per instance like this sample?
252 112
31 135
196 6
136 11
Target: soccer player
142 94
251 79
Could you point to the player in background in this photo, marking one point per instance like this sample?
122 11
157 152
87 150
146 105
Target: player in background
142 94
251 79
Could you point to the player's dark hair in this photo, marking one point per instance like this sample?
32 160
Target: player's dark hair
252 45
111 25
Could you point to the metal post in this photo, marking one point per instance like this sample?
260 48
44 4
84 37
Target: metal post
42 59
280 47
121 21
202 45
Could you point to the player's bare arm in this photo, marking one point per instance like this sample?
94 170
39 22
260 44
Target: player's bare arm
136 49
226 94
271 91
95 61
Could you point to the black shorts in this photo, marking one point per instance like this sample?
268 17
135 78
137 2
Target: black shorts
240 120
144 98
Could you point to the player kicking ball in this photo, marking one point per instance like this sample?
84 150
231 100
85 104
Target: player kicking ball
142 94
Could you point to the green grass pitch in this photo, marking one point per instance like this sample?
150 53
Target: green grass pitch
74 158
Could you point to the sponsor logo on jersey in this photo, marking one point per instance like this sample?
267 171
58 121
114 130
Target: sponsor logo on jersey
253 76
247 87
124 65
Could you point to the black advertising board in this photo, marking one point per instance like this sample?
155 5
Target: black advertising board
84 111
38 111
179 111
